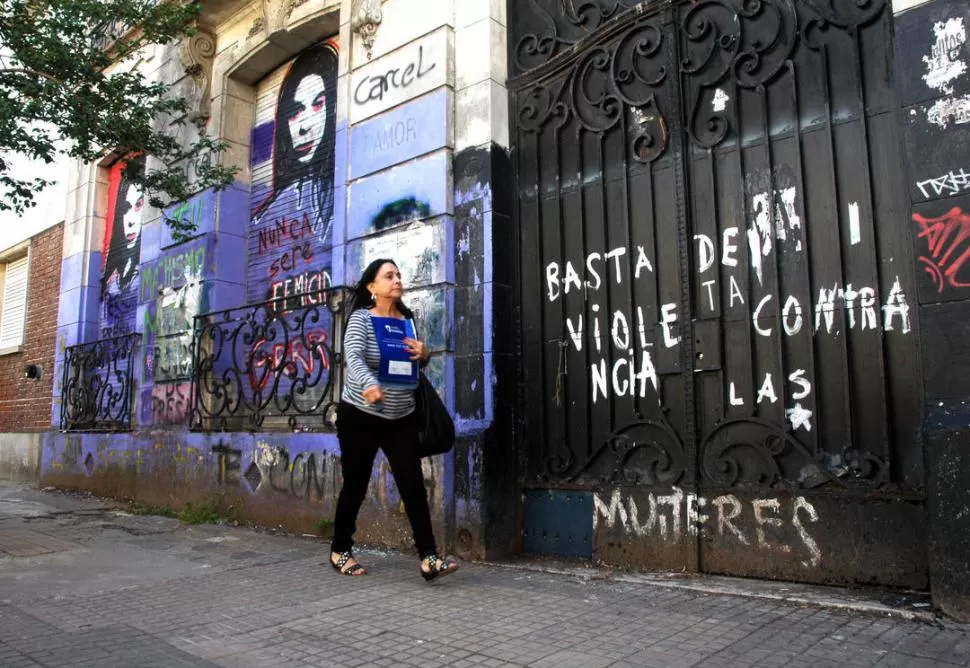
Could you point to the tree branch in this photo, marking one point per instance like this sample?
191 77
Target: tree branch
32 72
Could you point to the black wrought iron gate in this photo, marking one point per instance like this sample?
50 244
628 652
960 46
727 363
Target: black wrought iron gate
719 352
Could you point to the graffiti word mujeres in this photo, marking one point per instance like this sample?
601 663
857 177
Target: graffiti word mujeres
670 515
375 87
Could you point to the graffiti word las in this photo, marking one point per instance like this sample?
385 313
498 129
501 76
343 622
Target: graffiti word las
381 84
799 416
668 516
948 245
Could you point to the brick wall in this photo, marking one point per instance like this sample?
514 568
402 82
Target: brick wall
25 405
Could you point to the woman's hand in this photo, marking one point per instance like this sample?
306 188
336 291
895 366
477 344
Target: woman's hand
419 352
373 394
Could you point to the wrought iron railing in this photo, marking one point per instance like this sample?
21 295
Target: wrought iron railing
98 388
269 367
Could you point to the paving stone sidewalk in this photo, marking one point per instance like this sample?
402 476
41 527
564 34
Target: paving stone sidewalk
97 588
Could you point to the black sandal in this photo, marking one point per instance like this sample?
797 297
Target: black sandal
338 565
438 567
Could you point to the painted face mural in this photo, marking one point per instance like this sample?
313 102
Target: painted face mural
290 239
121 252
131 219
307 117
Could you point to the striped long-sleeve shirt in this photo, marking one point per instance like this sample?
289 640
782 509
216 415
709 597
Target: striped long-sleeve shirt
363 359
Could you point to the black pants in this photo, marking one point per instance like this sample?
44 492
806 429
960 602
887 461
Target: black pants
361 434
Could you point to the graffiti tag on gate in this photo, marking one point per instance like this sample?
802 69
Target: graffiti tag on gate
947 248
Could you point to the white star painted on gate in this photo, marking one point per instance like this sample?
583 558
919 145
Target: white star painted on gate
800 417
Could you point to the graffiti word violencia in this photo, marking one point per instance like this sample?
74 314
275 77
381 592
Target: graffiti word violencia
670 516
952 183
948 246
395 77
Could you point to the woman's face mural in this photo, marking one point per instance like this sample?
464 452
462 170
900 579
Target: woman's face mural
131 220
121 252
293 156
307 117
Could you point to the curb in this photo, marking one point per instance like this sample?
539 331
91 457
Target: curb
817 596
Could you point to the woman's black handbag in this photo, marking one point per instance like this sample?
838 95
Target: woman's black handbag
436 429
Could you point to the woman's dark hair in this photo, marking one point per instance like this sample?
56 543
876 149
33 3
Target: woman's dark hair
118 251
316 175
362 299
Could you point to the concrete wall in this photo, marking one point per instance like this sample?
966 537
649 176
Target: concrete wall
417 126
933 79
20 456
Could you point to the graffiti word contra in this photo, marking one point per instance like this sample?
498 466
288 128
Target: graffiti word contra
669 516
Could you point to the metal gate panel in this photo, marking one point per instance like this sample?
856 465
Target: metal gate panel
715 283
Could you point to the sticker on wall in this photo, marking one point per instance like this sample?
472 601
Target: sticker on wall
944 64
293 157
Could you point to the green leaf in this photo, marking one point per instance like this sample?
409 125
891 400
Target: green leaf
66 75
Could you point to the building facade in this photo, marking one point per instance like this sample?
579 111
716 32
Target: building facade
30 263
689 273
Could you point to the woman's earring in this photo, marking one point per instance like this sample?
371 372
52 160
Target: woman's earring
373 297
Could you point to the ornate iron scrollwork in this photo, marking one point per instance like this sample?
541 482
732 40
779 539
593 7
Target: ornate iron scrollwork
98 385
757 453
554 24
661 459
263 368
607 81
749 43
847 15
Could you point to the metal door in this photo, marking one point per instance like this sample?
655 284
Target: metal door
718 323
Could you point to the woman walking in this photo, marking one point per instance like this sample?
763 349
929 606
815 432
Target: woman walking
377 410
